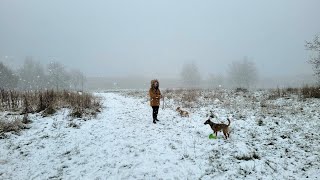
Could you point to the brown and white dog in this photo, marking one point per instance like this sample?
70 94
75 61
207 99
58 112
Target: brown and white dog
219 127
182 112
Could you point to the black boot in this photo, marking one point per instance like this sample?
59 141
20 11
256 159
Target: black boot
154 121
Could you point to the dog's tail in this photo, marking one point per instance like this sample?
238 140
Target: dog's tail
229 121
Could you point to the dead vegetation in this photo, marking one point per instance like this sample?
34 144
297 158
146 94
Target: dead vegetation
237 102
247 157
194 98
15 125
48 102
311 91
22 103
302 93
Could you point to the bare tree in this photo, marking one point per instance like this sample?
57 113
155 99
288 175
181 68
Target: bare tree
77 79
58 76
243 74
8 80
314 47
32 76
190 75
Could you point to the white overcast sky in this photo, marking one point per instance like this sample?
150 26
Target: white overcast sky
155 38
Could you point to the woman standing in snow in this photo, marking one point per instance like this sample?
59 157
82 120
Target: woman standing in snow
155 96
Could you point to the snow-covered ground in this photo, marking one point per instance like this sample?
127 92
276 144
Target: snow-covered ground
123 143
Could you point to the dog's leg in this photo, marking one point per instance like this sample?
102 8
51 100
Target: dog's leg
225 135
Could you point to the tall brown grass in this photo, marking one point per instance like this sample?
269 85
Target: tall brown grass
47 101
310 91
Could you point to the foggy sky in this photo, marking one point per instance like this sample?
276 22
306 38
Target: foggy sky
155 38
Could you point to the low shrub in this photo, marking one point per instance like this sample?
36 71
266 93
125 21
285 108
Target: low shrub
10 126
310 92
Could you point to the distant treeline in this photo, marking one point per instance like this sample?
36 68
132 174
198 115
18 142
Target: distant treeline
33 75
103 83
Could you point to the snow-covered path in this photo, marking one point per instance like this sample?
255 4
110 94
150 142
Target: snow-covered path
131 146
137 148
123 143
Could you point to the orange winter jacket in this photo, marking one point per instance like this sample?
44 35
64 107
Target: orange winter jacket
155 94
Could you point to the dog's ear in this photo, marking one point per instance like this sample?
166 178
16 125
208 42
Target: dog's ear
210 115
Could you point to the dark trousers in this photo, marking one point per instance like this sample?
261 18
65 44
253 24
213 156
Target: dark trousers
155 110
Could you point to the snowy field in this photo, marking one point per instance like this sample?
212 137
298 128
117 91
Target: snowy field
273 139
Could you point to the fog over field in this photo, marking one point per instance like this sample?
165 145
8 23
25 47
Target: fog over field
159 89
112 40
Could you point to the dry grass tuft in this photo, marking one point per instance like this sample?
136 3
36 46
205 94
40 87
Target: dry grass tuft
15 125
